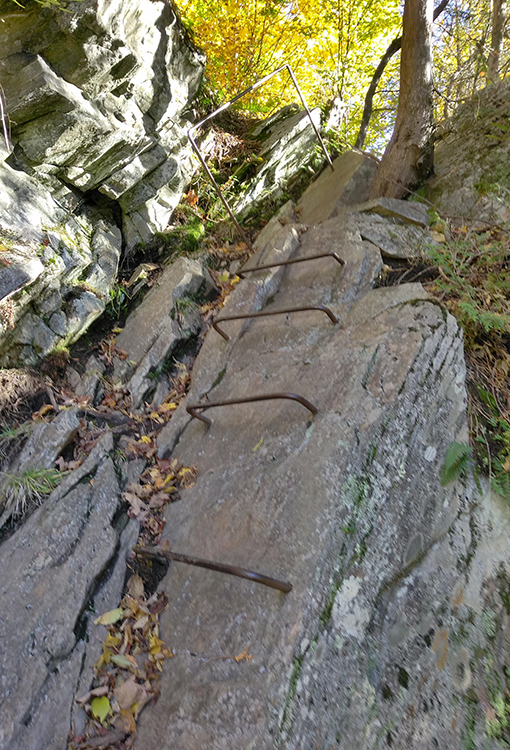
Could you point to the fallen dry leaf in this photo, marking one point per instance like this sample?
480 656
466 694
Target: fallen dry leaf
109 618
42 411
129 692
135 587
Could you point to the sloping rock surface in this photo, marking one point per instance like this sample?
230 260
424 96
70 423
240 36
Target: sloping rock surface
383 639
68 558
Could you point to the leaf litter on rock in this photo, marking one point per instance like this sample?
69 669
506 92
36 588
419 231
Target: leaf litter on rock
126 675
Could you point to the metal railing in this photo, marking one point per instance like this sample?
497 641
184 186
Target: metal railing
253 87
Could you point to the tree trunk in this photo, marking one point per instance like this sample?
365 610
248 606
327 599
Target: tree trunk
393 48
498 26
408 159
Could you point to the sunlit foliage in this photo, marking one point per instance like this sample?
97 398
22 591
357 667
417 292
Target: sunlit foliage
333 47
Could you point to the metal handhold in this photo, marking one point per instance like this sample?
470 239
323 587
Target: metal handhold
321 308
268 397
160 552
291 261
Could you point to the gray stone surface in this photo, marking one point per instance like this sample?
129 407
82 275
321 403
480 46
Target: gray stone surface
96 98
17 269
166 317
348 183
394 240
277 242
50 263
471 181
289 143
55 568
382 640
404 212
43 447
89 383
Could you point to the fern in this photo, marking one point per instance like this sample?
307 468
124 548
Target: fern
456 462
501 485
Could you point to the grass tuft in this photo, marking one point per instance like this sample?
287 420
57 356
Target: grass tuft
30 485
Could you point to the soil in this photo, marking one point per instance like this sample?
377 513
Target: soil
21 393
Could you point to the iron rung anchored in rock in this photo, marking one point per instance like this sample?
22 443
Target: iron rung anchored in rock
233 570
293 260
264 313
191 409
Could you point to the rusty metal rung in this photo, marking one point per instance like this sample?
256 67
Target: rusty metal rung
321 308
160 552
291 261
268 397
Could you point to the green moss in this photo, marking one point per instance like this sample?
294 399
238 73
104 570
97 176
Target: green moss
295 673
469 728
219 377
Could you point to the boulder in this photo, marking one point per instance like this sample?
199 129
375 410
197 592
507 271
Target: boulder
346 184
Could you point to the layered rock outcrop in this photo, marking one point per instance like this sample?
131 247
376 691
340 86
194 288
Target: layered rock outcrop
471 179
97 100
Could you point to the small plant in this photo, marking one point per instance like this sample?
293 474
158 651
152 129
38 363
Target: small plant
456 462
474 281
10 434
118 303
28 486
474 284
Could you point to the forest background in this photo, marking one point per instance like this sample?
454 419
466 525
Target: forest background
334 48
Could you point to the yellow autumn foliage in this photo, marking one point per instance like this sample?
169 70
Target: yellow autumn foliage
333 46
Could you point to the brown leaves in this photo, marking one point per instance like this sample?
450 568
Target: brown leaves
127 671
158 486
38 415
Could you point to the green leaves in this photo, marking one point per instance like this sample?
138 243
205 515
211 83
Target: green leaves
109 618
100 708
501 485
456 462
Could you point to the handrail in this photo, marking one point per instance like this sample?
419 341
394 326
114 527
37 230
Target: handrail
225 106
191 409
323 309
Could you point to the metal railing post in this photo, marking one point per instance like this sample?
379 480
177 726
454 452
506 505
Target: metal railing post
253 87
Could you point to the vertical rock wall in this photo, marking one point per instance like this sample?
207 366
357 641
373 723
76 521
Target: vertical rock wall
96 97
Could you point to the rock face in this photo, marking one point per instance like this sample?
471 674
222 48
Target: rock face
166 318
96 98
397 621
57 568
288 145
396 630
56 270
472 177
